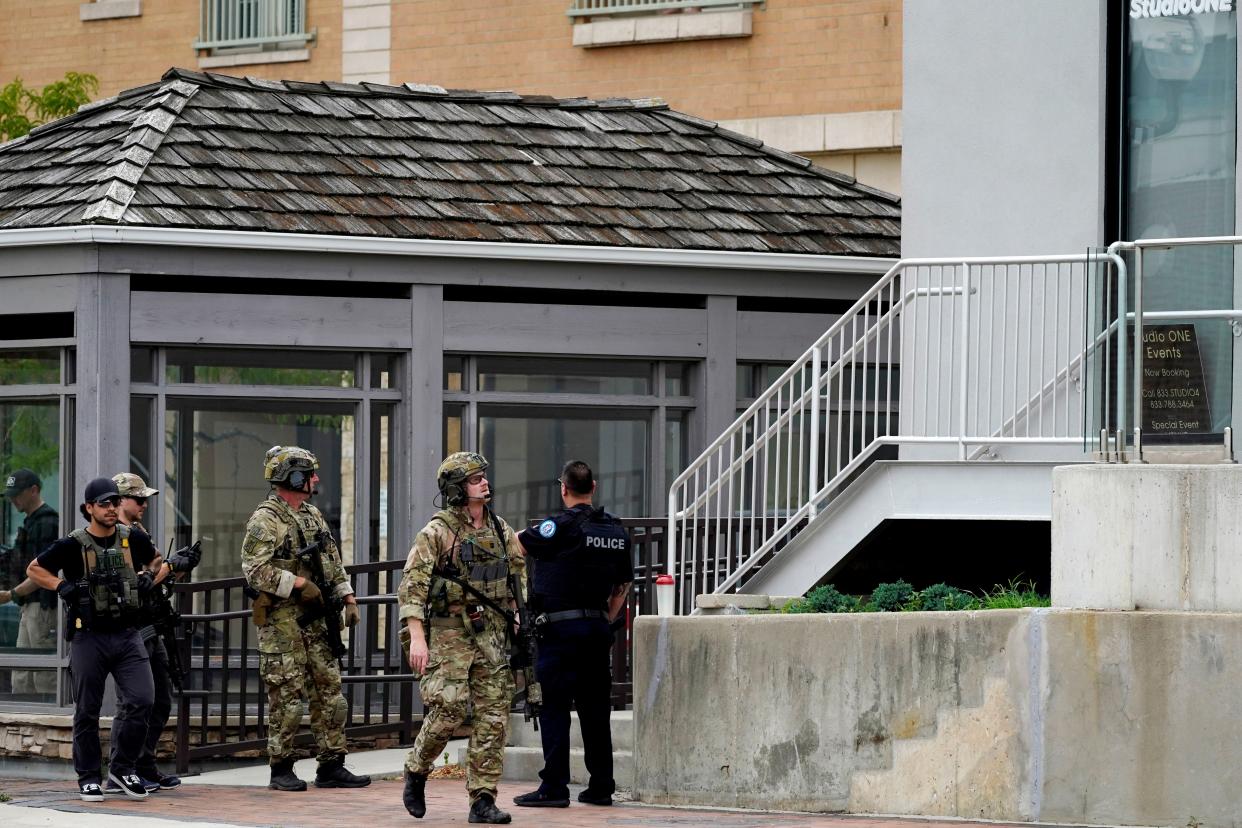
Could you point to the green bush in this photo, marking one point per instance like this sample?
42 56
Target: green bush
942 597
902 597
891 597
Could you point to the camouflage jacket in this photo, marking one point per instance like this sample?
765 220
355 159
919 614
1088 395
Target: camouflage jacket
438 546
272 539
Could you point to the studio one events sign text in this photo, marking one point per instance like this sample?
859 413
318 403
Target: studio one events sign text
1168 8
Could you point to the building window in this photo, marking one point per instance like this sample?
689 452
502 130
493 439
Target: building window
35 403
529 415
229 26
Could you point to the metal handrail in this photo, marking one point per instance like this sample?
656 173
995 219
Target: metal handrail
762 464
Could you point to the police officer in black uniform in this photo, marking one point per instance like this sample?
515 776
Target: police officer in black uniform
582 573
104 572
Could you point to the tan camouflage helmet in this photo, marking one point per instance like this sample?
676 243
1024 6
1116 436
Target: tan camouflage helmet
289 465
453 473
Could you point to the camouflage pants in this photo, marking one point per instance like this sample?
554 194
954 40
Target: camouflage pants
462 672
297 665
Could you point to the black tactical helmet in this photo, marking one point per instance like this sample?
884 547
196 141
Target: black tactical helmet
453 473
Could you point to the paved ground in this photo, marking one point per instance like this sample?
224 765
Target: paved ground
44 803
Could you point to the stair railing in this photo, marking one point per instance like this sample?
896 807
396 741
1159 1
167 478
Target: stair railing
978 351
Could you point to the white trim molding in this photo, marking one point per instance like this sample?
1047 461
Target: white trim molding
829 132
312 243
663 28
253 58
109 9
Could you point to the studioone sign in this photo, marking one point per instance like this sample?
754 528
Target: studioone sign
1168 8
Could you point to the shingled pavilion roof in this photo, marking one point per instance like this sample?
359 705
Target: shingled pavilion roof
421 162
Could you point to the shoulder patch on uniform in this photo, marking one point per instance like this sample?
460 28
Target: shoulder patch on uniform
548 528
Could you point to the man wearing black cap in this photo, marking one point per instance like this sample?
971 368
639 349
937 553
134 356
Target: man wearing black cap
37 629
103 568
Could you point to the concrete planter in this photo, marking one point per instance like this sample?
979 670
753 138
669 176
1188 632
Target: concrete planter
1061 716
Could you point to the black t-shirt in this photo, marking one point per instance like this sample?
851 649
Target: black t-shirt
579 555
66 556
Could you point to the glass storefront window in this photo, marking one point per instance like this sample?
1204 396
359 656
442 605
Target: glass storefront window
214 470
141 364
454 368
677 379
527 449
29 439
1180 167
564 376
30 367
237 367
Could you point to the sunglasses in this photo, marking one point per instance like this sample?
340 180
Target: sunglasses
476 479
141 501
111 502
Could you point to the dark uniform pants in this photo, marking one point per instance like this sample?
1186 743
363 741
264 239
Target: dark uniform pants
157 716
574 669
93 656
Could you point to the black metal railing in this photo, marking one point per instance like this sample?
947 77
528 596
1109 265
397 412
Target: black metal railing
222 709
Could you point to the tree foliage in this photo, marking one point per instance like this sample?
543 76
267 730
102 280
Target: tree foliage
23 108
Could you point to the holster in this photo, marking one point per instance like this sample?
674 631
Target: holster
259 607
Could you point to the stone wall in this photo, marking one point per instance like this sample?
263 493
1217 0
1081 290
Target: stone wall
1059 716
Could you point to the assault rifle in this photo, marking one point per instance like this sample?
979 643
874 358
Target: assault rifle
164 617
525 652
331 605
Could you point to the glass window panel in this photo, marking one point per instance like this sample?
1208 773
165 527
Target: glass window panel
565 376
29 439
527 449
383 367
142 365
382 465
454 368
237 367
452 428
214 467
675 459
745 382
141 444
30 367
677 379
21 684
1181 161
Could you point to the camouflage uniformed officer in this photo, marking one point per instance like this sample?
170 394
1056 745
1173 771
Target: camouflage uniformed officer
295 662
467 661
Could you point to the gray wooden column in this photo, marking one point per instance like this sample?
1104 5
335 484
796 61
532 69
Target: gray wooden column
718 408
101 426
424 421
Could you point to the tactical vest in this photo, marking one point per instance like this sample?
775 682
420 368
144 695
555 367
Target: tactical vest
284 557
480 559
113 579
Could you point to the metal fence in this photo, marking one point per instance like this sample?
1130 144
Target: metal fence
227 24
950 356
222 710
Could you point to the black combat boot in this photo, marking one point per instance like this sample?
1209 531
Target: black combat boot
283 778
484 810
334 774
414 798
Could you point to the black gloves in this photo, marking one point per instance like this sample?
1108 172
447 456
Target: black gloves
184 560
68 591
146 582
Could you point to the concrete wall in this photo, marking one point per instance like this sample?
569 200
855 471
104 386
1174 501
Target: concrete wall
1004 127
1083 717
1161 537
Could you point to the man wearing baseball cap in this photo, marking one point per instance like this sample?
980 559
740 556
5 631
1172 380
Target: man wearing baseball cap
134 493
37 628
103 572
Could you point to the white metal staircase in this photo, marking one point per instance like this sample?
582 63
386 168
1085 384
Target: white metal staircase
943 366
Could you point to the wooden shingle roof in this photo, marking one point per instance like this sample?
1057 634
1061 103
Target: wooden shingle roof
217 152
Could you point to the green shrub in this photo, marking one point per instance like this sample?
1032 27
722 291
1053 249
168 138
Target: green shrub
941 598
891 597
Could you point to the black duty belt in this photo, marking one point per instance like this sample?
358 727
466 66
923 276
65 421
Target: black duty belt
568 615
